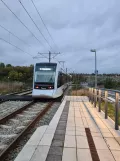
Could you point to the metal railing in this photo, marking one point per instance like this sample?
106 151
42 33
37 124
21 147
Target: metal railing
100 95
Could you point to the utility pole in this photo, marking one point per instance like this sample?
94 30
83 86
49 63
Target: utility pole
43 55
66 74
49 56
93 50
73 77
62 62
95 70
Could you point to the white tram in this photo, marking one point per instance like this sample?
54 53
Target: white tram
49 80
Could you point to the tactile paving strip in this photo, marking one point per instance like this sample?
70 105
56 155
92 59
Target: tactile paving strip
56 150
92 147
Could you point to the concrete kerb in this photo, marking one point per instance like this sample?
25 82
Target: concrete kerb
30 147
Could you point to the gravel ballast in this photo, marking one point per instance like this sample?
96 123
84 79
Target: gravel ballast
44 121
13 127
10 106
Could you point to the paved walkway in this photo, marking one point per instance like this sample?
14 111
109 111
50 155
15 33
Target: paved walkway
77 132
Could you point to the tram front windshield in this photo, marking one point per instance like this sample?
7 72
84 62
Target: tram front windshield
45 74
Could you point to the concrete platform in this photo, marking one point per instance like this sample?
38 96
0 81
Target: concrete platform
77 132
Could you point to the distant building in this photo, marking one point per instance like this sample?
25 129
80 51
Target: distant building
84 84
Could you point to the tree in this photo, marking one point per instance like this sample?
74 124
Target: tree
8 65
2 65
110 83
16 73
13 75
20 76
32 65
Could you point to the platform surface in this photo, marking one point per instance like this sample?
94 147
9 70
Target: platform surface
77 132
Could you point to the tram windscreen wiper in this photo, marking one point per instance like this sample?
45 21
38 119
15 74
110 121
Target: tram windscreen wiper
51 79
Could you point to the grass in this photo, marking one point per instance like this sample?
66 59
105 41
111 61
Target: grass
10 87
111 110
80 92
111 107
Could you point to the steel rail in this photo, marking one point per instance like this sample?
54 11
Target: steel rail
18 92
9 116
24 93
2 101
14 94
19 137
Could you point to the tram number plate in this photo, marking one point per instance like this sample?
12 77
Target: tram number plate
43 88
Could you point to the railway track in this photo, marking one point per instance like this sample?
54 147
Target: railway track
111 96
2 101
14 126
17 93
7 107
6 97
24 93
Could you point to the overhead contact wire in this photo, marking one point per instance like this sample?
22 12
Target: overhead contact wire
21 22
15 46
43 23
34 23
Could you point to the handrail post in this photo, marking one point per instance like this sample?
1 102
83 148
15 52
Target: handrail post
76 89
116 111
106 104
89 94
92 95
95 97
99 106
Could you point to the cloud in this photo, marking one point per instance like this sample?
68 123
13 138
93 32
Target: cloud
76 27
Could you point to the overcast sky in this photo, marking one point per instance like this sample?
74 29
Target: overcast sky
76 27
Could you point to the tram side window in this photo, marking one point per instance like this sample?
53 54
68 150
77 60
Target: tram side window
61 80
